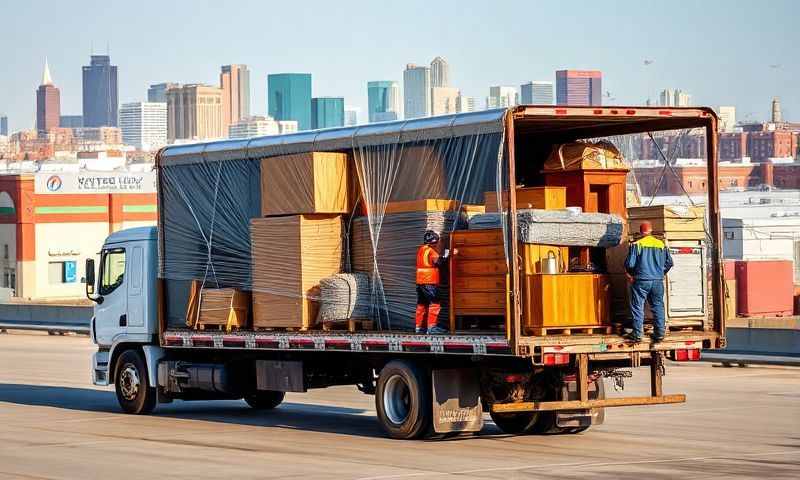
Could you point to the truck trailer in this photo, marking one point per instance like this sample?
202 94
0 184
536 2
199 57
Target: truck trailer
530 377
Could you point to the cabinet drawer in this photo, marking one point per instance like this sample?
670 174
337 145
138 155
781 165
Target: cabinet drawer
479 267
484 284
480 300
492 236
481 251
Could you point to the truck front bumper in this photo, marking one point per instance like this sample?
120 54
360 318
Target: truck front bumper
100 368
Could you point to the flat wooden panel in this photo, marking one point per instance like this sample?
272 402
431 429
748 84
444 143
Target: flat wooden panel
579 405
304 183
424 205
564 300
482 252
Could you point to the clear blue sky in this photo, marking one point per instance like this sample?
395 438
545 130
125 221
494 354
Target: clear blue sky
720 52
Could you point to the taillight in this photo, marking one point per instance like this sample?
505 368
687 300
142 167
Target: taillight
515 378
555 359
687 355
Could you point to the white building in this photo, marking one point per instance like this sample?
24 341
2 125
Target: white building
465 104
502 97
440 73
536 93
671 97
260 126
417 91
444 100
144 124
727 118
351 116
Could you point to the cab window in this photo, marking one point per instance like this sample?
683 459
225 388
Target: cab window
112 270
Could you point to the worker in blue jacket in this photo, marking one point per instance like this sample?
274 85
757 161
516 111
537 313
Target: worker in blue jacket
647 262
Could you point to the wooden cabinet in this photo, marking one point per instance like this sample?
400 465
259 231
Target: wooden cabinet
547 198
478 274
593 190
565 300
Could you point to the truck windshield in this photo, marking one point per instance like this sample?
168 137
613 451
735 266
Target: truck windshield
112 270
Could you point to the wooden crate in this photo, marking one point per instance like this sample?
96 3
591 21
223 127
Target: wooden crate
290 256
222 308
670 222
566 300
305 183
547 198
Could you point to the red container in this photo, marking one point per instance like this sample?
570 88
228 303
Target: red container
729 269
764 288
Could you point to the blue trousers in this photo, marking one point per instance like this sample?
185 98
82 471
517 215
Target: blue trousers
651 291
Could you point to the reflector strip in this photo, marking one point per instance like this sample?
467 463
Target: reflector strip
337 344
375 345
204 341
267 342
457 347
174 341
416 346
301 343
233 341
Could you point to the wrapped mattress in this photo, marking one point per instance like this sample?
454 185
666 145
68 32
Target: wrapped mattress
560 227
344 296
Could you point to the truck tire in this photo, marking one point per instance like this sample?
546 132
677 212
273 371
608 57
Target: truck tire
515 423
134 393
265 399
403 400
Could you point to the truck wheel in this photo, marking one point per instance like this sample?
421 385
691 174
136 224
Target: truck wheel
265 399
403 400
134 393
514 423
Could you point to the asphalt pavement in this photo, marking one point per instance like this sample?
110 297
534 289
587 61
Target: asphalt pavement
737 423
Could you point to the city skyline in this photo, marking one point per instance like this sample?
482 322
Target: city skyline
750 81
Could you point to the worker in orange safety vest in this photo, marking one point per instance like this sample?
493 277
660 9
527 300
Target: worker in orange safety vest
428 305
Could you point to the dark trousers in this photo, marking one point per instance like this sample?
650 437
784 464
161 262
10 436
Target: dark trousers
428 306
651 291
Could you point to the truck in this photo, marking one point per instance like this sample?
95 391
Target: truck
551 382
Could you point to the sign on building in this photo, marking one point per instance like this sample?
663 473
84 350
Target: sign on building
95 182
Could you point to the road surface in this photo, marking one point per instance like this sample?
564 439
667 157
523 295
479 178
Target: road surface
737 423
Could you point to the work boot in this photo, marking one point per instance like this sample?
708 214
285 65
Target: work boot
632 337
437 330
656 338
419 330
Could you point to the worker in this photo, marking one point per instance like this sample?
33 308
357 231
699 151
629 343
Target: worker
428 304
647 262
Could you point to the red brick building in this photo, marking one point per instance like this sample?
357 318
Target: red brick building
694 179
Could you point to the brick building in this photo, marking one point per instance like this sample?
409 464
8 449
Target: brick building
693 178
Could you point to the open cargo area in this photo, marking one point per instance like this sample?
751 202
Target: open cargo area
318 233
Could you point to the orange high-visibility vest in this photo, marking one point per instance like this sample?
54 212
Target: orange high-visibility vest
427 271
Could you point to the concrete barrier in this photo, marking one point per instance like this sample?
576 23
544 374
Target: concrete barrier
60 318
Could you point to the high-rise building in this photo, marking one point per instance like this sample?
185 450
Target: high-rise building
502 97
71 121
776 116
536 93
144 124
727 119
579 87
443 100
671 97
4 125
100 100
440 73
350 116
235 83
259 126
48 103
289 98
465 104
383 99
158 92
327 112
194 112
417 91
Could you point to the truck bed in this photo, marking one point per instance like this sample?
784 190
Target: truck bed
454 344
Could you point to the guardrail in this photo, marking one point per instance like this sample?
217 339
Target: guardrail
45 317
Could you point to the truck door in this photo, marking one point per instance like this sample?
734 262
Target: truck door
135 285
111 317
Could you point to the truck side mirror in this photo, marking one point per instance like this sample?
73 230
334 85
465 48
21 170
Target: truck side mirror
90 277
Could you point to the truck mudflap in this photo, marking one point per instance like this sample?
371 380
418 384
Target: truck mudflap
584 401
456 401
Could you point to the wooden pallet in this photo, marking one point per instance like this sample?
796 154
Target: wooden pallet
281 329
349 325
588 330
216 327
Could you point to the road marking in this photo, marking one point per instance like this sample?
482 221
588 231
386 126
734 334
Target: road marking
583 465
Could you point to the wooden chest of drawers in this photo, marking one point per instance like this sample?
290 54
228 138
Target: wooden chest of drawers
478 274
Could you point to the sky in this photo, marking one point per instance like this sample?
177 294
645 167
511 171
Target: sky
723 53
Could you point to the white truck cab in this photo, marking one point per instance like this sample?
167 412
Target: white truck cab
125 311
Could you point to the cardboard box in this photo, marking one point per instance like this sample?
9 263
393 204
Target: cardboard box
671 222
290 256
306 183
547 198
